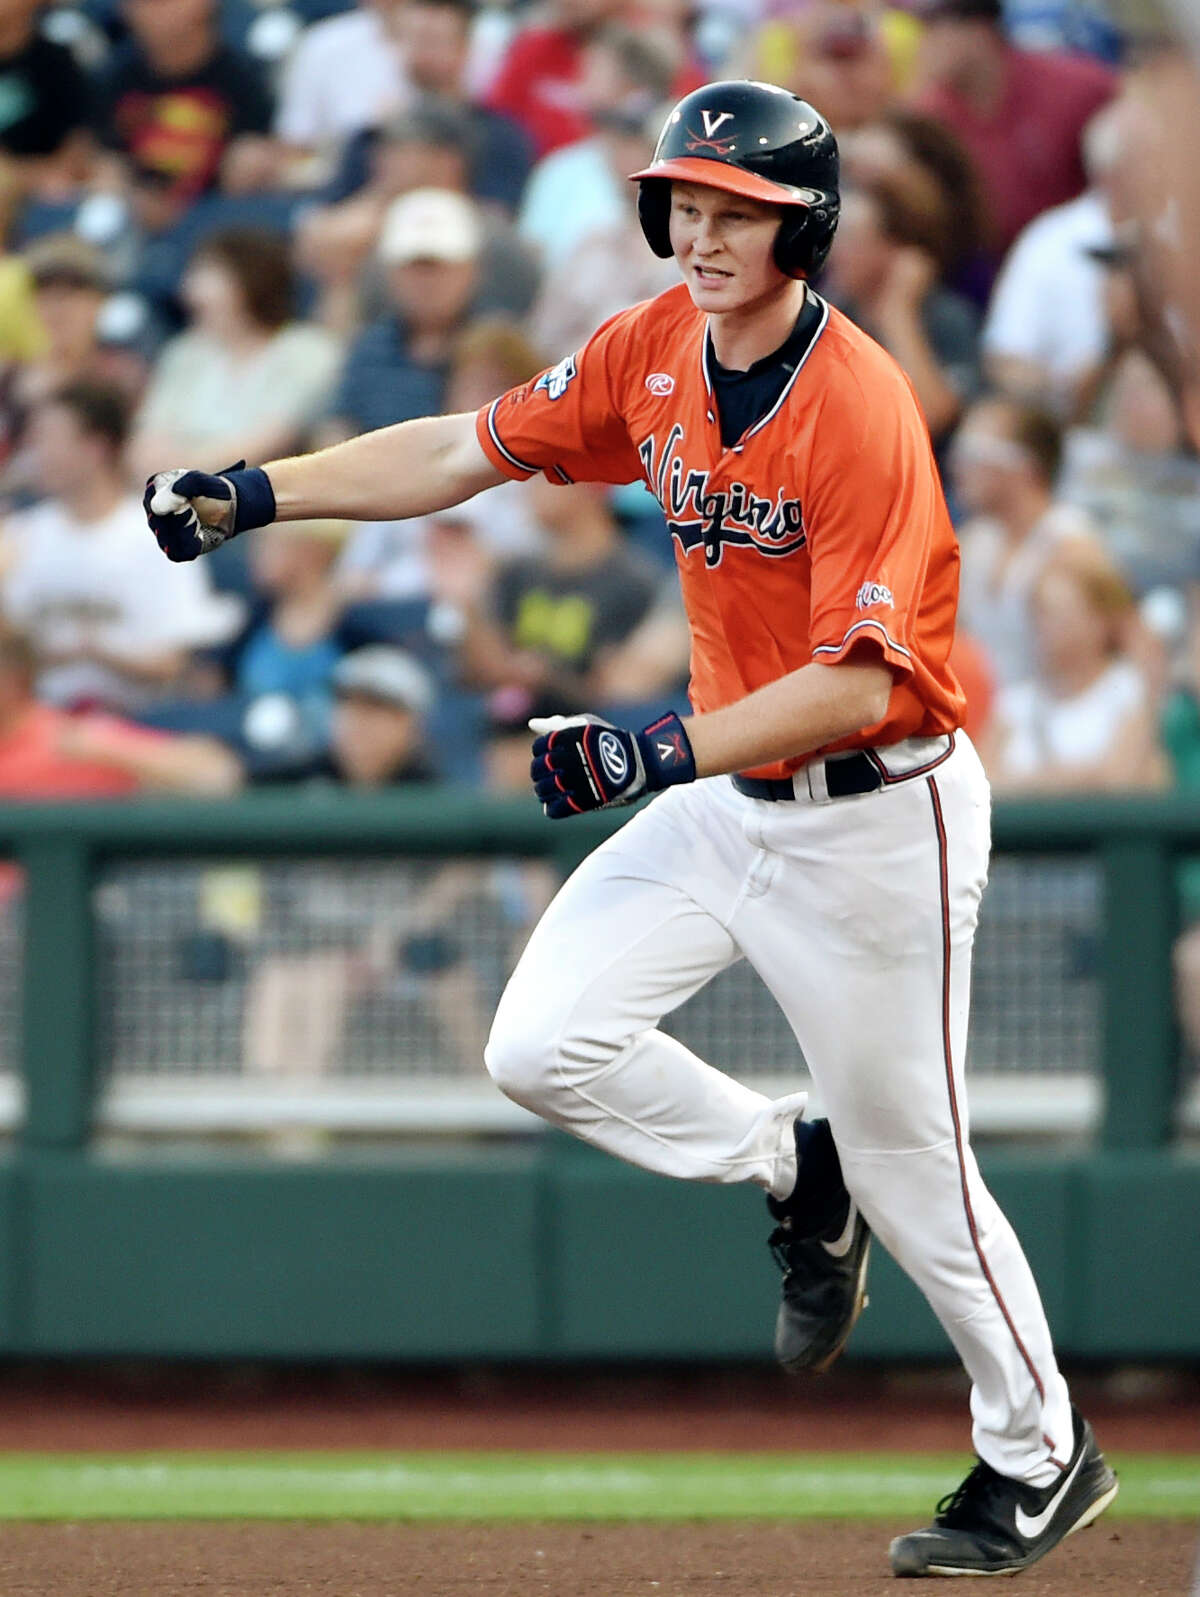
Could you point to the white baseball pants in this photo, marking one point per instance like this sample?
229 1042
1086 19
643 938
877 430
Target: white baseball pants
859 915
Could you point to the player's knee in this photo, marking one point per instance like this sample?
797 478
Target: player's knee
519 1059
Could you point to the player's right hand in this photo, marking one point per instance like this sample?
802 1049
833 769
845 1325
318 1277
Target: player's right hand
190 512
193 512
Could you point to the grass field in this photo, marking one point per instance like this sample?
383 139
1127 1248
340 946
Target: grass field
517 1486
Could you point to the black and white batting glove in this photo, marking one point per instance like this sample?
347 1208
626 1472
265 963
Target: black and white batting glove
583 763
192 513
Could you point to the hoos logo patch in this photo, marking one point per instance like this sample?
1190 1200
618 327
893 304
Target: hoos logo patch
873 593
613 757
555 381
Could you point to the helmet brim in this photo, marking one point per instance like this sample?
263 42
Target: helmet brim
717 174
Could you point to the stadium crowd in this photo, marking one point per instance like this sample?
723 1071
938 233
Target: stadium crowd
241 230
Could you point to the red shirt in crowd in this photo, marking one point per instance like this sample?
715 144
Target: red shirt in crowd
538 86
1027 150
37 762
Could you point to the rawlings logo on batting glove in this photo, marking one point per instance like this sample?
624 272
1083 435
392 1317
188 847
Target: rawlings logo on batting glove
193 512
583 763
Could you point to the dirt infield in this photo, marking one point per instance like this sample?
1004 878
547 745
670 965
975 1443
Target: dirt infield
731 1560
131 1406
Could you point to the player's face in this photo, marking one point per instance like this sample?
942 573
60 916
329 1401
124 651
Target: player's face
724 245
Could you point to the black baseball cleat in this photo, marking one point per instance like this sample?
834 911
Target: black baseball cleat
822 1244
993 1525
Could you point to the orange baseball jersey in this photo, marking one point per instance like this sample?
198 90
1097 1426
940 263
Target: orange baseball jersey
822 533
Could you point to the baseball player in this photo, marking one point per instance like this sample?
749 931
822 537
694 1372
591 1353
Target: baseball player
819 812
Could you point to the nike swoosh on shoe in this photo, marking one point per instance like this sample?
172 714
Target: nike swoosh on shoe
1031 1526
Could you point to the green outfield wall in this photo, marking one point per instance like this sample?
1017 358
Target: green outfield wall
532 1248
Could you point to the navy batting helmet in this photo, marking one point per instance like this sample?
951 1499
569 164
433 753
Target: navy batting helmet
757 140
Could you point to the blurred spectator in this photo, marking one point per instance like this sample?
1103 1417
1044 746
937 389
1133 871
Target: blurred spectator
280 670
174 104
903 146
245 380
1155 198
1004 464
884 272
1130 468
1046 330
298 1004
586 624
847 59
427 147
346 73
44 111
422 148
22 338
581 187
397 367
609 268
538 82
46 753
1084 722
453 554
435 36
1021 114
111 622
71 285
70 282
382 696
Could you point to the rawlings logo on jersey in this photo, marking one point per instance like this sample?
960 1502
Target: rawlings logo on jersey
556 379
711 519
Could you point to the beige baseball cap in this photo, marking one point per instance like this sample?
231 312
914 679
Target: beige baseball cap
390 675
430 225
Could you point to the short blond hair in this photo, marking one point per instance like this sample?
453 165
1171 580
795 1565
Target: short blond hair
1099 579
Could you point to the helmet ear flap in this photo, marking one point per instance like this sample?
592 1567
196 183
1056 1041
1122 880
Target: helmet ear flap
654 213
804 239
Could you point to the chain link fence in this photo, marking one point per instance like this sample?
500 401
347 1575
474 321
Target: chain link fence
311 979
322 976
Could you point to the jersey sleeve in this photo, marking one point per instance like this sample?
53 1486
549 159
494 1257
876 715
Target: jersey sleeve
566 423
874 511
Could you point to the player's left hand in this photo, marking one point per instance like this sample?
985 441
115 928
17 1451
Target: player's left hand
583 763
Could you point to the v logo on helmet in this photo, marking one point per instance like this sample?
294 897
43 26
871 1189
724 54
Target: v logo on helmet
712 120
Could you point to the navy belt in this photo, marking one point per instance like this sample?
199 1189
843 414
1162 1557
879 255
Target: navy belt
846 776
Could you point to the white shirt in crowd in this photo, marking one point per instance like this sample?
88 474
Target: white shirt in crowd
344 75
1048 303
390 559
1035 729
197 391
995 587
74 586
